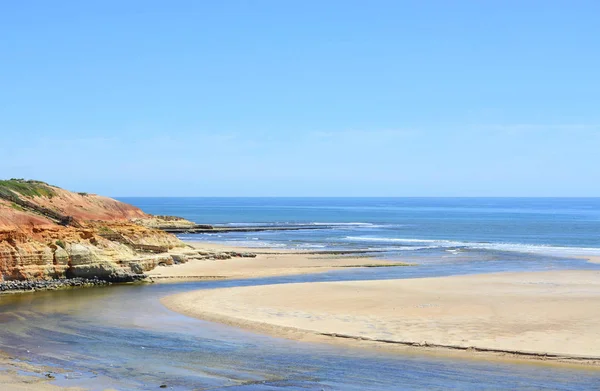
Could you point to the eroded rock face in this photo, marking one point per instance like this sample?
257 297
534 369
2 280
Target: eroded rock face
101 269
80 255
64 254
30 260
70 239
60 234
61 257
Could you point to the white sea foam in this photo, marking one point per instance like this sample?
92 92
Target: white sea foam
345 224
254 244
300 224
250 224
515 247
306 245
401 248
378 239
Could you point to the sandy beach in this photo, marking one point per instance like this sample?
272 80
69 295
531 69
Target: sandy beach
544 315
267 263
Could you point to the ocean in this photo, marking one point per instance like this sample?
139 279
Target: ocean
522 232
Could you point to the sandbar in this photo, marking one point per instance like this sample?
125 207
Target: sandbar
593 259
268 263
550 315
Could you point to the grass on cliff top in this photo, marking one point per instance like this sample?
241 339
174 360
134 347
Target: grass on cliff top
27 188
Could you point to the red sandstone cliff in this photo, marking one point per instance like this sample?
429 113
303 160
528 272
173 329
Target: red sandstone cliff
47 233
78 206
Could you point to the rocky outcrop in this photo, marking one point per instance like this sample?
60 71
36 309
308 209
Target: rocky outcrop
26 285
48 233
52 238
165 222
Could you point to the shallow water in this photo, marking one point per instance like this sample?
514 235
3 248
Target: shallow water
122 337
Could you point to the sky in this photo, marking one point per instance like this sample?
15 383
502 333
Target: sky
302 97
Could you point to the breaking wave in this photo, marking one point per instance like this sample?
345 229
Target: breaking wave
514 247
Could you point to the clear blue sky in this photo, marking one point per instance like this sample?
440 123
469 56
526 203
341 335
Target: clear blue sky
302 98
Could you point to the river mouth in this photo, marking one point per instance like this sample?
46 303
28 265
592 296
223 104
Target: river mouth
122 337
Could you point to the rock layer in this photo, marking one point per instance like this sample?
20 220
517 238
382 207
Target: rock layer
48 233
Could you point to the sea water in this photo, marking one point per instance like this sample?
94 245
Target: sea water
442 229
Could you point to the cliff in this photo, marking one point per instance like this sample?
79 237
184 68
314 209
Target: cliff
48 233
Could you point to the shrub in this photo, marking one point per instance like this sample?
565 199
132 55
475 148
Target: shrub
105 230
27 188
17 207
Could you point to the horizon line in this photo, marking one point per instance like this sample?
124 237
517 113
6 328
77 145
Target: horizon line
175 196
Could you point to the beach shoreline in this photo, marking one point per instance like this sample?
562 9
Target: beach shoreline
593 258
268 262
530 316
19 375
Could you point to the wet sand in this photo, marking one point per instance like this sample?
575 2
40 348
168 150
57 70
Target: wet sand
20 376
594 259
542 315
268 263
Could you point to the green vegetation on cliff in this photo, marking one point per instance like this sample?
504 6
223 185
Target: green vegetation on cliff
26 188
